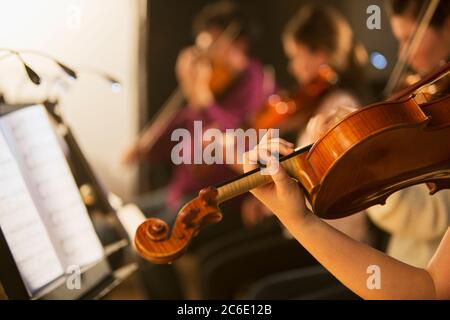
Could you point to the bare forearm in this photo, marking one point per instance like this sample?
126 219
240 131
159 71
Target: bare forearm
349 261
364 270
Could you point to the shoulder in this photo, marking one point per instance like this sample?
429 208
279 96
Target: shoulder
334 106
338 99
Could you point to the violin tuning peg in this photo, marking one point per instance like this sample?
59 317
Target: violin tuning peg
157 229
188 216
208 196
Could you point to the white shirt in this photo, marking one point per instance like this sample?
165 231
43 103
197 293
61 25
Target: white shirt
416 221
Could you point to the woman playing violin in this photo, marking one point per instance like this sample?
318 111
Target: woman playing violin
348 260
416 221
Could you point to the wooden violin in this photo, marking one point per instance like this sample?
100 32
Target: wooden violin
356 164
290 113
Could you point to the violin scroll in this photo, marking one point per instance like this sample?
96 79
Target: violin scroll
157 229
152 238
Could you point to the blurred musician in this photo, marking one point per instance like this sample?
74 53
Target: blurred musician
434 49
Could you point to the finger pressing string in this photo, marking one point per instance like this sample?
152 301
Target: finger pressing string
277 148
278 173
277 141
258 155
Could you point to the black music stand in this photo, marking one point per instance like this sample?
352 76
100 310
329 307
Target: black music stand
97 279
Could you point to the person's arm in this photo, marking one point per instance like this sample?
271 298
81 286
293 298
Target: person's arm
347 259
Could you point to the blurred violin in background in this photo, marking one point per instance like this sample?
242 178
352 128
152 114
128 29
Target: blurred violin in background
288 113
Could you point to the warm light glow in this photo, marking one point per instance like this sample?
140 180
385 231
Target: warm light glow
432 89
204 40
412 78
292 106
274 99
281 107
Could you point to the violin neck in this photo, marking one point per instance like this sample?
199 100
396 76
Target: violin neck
294 164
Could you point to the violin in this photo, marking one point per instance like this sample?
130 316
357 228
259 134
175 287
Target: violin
221 77
356 164
280 112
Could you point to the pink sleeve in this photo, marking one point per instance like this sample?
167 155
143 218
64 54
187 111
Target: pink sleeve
244 99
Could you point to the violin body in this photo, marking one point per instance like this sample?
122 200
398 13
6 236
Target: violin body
360 161
376 151
275 111
380 149
222 76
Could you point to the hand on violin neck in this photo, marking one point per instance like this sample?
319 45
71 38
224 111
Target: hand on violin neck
283 197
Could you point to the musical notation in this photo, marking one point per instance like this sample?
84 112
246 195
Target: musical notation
23 228
41 211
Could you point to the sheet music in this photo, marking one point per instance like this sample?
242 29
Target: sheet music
23 228
52 186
